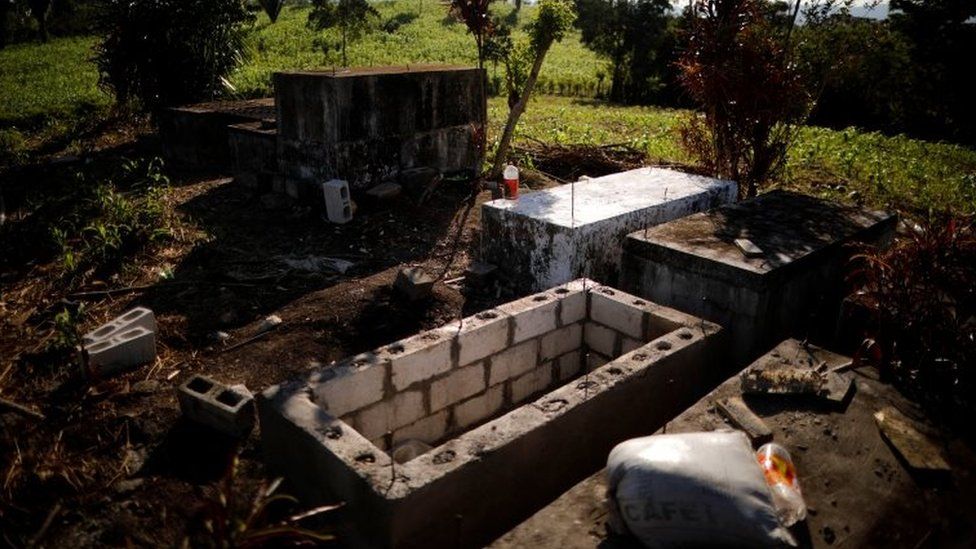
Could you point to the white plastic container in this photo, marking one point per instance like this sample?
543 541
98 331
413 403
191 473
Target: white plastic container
338 205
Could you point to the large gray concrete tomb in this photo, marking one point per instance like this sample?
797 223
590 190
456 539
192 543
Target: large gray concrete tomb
367 125
550 237
792 286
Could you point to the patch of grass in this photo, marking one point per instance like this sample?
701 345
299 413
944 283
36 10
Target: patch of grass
430 37
44 82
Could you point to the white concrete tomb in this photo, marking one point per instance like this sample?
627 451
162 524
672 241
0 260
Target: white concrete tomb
550 237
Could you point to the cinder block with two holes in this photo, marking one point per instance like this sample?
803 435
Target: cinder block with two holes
229 410
137 317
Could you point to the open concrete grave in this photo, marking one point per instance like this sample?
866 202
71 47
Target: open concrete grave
516 404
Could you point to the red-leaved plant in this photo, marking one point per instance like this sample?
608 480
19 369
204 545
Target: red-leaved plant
921 295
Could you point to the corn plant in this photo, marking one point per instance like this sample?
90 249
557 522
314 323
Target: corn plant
226 521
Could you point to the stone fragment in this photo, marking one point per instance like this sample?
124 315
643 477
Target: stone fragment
385 191
414 283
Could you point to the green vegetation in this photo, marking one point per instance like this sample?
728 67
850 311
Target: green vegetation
54 82
97 225
39 82
430 37
849 165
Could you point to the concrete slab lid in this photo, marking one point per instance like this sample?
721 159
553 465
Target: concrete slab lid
254 109
606 197
380 70
786 226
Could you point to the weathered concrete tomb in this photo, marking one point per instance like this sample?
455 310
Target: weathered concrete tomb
553 236
784 277
198 135
518 404
365 126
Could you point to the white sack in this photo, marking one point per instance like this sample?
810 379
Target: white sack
692 490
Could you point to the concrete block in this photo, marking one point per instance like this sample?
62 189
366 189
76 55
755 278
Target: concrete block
418 358
533 315
388 415
572 300
140 317
627 345
352 384
514 361
569 365
479 274
457 386
553 236
618 310
595 360
338 203
479 408
414 283
229 410
560 341
327 461
429 429
121 351
600 339
480 335
531 383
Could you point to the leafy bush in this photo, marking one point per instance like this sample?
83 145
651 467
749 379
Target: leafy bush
922 300
170 52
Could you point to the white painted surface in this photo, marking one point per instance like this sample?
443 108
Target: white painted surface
553 236
603 198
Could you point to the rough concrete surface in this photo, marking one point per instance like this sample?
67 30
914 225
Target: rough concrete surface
793 288
480 481
550 237
857 492
368 125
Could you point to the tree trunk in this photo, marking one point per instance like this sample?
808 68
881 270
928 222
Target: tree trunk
4 11
518 5
516 112
479 40
42 28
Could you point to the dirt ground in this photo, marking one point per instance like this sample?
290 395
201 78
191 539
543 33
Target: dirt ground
111 463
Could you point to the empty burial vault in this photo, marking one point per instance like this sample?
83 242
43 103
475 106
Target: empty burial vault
519 403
